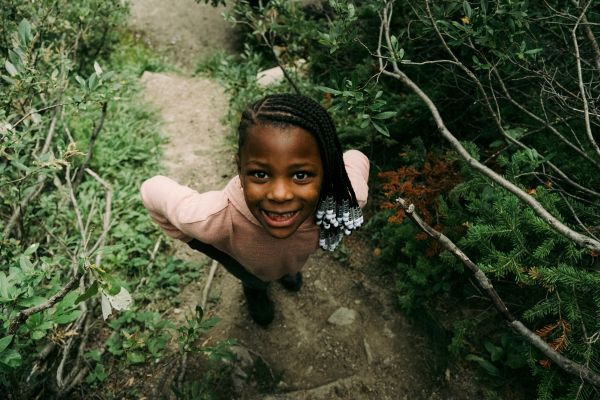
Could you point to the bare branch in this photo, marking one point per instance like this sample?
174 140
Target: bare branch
14 218
107 213
496 113
30 113
76 207
557 225
543 121
586 112
93 138
209 281
590 35
58 296
486 285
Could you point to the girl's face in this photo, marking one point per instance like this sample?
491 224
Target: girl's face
281 172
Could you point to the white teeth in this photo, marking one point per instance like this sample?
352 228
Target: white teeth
280 215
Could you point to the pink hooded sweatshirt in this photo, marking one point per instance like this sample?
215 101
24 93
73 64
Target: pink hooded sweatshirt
223 220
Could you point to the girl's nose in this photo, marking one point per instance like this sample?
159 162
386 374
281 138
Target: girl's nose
280 191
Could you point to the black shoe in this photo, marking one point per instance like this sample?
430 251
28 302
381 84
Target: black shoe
291 283
261 308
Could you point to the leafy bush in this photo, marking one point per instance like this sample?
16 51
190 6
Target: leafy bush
76 141
512 88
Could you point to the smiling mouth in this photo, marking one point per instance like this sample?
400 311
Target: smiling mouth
280 220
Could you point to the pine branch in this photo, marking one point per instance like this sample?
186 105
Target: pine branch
566 364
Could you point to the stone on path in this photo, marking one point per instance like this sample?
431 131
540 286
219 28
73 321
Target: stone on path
342 316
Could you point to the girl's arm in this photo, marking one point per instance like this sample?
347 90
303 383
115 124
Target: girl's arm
357 168
180 211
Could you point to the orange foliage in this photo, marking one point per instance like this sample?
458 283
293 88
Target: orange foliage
559 342
422 188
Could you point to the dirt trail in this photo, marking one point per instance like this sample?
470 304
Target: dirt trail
374 356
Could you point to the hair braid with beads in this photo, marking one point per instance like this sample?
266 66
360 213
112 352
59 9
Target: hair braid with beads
338 213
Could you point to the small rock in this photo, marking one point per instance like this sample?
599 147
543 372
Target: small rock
342 316
320 285
269 77
388 333
177 311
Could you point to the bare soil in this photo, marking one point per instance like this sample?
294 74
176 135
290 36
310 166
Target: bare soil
378 356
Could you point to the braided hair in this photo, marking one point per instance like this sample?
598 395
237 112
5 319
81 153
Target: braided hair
338 213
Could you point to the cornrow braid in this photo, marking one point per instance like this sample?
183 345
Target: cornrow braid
338 213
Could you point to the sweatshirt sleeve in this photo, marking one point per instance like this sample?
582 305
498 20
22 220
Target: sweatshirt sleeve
357 168
182 212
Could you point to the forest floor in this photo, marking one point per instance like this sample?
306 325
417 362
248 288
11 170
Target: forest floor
374 354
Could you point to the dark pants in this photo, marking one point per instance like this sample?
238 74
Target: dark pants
230 264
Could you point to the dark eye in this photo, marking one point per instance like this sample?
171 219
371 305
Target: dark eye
259 174
301 176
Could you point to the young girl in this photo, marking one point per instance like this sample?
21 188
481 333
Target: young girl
295 191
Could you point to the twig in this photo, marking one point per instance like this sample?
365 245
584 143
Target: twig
482 280
150 264
107 213
14 218
81 374
589 34
93 138
82 344
203 300
586 110
30 113
550 127
41 357
66 350
280 64
182 368
209 280
40 183
76 207
58 296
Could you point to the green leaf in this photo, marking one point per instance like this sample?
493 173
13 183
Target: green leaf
37 334
10 68
4 342
328 90
67 317
25 263
484 6
24 32
8 80
67 301
385 115
135 357
81 81
11 358
93 81
31 249
97 68
381 129
400 54
496 352
93 355
485 364
467 8
3 286
91 291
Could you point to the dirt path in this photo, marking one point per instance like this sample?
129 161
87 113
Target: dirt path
373 354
